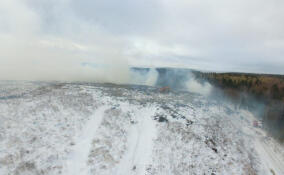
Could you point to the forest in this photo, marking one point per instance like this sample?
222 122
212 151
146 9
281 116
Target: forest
261 93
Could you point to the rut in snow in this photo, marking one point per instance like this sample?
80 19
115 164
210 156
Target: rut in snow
140 142
270 159
77 162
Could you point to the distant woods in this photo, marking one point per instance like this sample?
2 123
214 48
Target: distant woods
263 88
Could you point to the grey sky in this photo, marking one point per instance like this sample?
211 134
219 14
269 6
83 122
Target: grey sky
219 35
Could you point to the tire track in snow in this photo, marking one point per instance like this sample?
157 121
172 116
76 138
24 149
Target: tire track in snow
140 144
269 157
77 162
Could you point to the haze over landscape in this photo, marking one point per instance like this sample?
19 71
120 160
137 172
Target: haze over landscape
141 87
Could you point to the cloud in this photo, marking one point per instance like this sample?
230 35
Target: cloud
50 39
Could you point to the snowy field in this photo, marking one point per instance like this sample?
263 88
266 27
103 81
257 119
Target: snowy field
92 129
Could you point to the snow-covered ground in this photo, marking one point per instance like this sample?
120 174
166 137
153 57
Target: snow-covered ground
93 129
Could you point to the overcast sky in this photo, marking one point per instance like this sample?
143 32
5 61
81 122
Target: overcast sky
216 35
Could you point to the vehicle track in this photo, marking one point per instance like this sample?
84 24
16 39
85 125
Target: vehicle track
140 144
77 161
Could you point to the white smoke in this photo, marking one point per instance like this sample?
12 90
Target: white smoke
148 78
152 77
28 52
196 87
